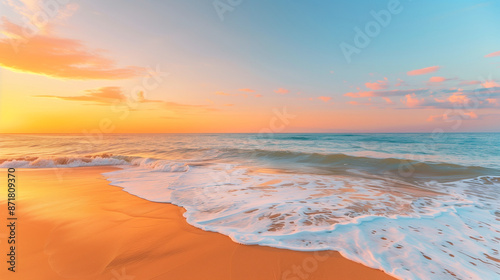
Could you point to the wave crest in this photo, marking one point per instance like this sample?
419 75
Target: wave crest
56 162
95 160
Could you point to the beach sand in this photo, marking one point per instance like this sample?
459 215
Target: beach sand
73 225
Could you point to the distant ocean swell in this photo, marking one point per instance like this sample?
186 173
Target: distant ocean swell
323 163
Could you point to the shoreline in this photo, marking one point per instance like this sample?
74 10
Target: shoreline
74 225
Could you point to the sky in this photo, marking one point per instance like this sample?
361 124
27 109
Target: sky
224 66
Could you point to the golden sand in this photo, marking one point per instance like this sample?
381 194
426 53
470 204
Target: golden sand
73 225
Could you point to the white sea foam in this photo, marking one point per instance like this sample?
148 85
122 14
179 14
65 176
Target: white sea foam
160 165
86 161
432 231
52 162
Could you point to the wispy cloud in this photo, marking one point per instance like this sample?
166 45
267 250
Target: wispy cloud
493 54
325 99
437 79
246 90
58 57
104 95
433 81
356 103
423 71
471 115
381 84
446 116
388 100
384 93
360 94
474 82
494 101
281 91
114 95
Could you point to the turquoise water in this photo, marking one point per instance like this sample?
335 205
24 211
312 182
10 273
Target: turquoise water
467 149
418 206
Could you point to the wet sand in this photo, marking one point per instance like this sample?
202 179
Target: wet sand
73 225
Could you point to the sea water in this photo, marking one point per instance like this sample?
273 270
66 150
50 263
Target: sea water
418 206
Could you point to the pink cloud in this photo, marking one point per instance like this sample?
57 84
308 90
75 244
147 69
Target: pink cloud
490 84
360 94
412 101
493 54
384 93
382 84
258 95
356 103
388 100
458 98
282 91
437 80
492 101
470 83
222 93
325 98
57 57
423 71
437 117
471 115
113 95
246 90
103 95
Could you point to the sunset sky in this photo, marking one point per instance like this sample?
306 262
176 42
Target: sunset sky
249 66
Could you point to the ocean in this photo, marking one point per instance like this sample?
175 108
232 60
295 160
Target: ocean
416 205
